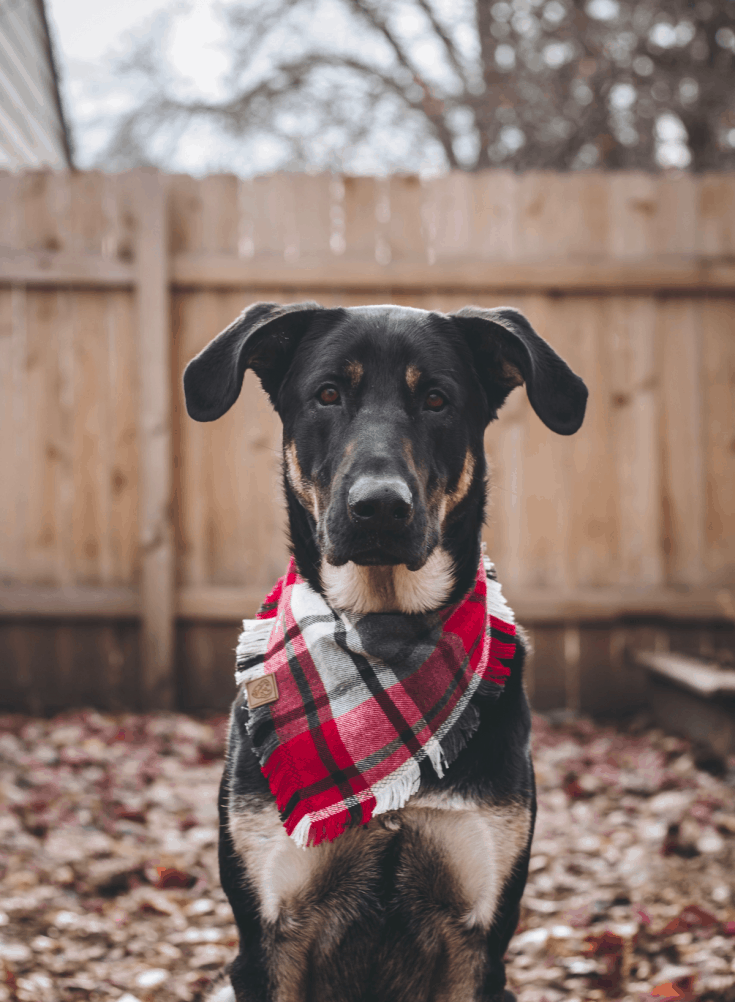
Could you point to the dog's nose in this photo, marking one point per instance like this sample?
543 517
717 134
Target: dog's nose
380 502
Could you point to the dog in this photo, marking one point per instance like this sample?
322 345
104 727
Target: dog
384 410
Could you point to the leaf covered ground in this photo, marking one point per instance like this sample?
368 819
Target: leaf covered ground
108 870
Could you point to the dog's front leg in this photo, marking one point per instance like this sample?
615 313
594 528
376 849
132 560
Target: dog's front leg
248 972
504 926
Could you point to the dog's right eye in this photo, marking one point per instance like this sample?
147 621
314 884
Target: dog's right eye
329 395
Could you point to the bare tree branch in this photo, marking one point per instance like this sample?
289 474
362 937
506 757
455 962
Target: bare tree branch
449 46
561 88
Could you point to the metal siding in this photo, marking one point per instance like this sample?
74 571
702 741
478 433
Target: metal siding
31 132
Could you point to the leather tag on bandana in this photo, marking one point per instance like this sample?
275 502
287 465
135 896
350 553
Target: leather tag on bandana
261 691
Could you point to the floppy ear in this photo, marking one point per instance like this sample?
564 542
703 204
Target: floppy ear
508 352
263 338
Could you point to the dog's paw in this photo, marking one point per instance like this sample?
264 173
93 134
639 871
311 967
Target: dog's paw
221 991
508 996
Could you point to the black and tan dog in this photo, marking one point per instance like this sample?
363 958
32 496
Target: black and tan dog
384 409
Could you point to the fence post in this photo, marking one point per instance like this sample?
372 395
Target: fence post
156 536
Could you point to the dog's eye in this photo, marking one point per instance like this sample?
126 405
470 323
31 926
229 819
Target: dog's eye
329 395
434 401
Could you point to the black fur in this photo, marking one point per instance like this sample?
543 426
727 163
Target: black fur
382 922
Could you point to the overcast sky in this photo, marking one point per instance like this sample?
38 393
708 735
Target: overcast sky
88 33
85 29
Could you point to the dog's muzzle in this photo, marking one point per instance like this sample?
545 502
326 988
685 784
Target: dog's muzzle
377 520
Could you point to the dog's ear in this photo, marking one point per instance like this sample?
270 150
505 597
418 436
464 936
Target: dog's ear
508 352
263 338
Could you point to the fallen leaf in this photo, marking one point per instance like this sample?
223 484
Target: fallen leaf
170 876
680 990
691 917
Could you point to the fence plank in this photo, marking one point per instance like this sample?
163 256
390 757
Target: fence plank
586 216
682 441
123 462
716 223
22 459
629 343
273 217
718 345
359 201
220 211
185 215
676 219
89 438
10 209
62 436
447 216
155 459
404 227
633 211
8 484
548 667
594 544
320 223
42 531
493 215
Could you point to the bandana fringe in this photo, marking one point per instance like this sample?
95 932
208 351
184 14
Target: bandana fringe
496 604
394 794
252 643
302 831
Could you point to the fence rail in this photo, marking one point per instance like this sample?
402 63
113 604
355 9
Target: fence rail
133 539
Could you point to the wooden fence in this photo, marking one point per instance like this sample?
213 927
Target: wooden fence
133 539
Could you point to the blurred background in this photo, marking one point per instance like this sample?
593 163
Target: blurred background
378 86
167 164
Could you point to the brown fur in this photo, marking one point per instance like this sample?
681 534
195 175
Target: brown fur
354 372
453 498
302 487
412 377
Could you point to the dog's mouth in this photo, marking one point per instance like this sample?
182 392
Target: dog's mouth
381 554
378 555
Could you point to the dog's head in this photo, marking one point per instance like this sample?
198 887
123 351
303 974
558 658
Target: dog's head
384 410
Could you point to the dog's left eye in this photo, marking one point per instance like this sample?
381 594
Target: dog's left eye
434 401
329 395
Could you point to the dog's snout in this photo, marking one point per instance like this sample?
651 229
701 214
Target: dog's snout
380 502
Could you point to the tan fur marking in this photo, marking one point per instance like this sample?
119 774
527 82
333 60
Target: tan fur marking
222 993
463 485
354 372
275 864
357 589
303 489
511 375
412 377
481 844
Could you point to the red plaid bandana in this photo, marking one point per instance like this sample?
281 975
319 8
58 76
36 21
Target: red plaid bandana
359 702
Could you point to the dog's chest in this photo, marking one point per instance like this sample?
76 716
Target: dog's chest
440 852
